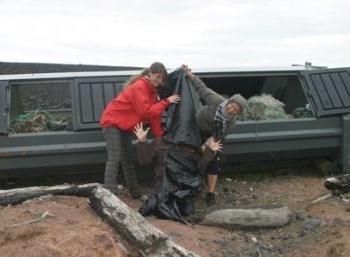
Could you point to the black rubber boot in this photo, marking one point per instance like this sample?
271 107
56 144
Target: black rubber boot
210 199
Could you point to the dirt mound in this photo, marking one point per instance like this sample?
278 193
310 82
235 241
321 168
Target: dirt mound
71 229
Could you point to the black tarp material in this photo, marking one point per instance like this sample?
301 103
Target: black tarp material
182 182
181 125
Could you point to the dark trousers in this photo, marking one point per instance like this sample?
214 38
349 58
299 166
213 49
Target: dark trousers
120 154
214 167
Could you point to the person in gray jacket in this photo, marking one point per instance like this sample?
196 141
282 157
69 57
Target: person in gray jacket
215 118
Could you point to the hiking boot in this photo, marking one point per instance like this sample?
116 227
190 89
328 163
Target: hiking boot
210 199
135 193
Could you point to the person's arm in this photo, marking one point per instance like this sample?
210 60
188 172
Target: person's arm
145 152
143 103
207 95
207 157
210 148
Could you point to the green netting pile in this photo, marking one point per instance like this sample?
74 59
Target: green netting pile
263 107
37 121
303 112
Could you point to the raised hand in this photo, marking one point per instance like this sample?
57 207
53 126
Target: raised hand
216 146
140 133
188 72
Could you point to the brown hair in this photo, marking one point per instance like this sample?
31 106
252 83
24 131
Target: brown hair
156 67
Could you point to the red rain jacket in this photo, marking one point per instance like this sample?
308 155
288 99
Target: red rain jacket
138 102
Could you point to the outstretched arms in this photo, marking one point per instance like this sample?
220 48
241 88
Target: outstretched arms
207 95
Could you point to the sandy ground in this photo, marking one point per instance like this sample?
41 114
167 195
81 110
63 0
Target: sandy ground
321 229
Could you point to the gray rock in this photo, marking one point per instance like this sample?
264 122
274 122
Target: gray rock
311 224
258 217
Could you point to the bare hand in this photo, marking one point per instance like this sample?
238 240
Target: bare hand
188 72
140 133
174 99
216 146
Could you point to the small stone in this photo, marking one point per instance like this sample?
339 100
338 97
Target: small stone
310 224
254 239
338 221
234 237
221 242
299 216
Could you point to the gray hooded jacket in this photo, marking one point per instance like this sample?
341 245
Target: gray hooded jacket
211 100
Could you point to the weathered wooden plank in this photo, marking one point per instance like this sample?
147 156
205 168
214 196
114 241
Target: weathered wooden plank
133 226
19 195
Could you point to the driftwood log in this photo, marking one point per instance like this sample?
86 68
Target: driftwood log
169 248
148 239
19 195
249 218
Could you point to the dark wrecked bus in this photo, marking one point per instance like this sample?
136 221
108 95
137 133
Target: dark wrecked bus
49 121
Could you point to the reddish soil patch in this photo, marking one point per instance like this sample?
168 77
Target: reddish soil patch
200 239
72 230
316 230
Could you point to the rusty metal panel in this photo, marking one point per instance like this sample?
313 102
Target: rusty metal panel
328 91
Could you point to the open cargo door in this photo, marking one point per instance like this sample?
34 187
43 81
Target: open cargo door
90 96
328 91
4 108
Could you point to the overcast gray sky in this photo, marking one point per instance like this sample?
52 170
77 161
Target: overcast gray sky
200 33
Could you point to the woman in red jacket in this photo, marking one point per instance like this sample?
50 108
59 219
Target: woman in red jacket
138 102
